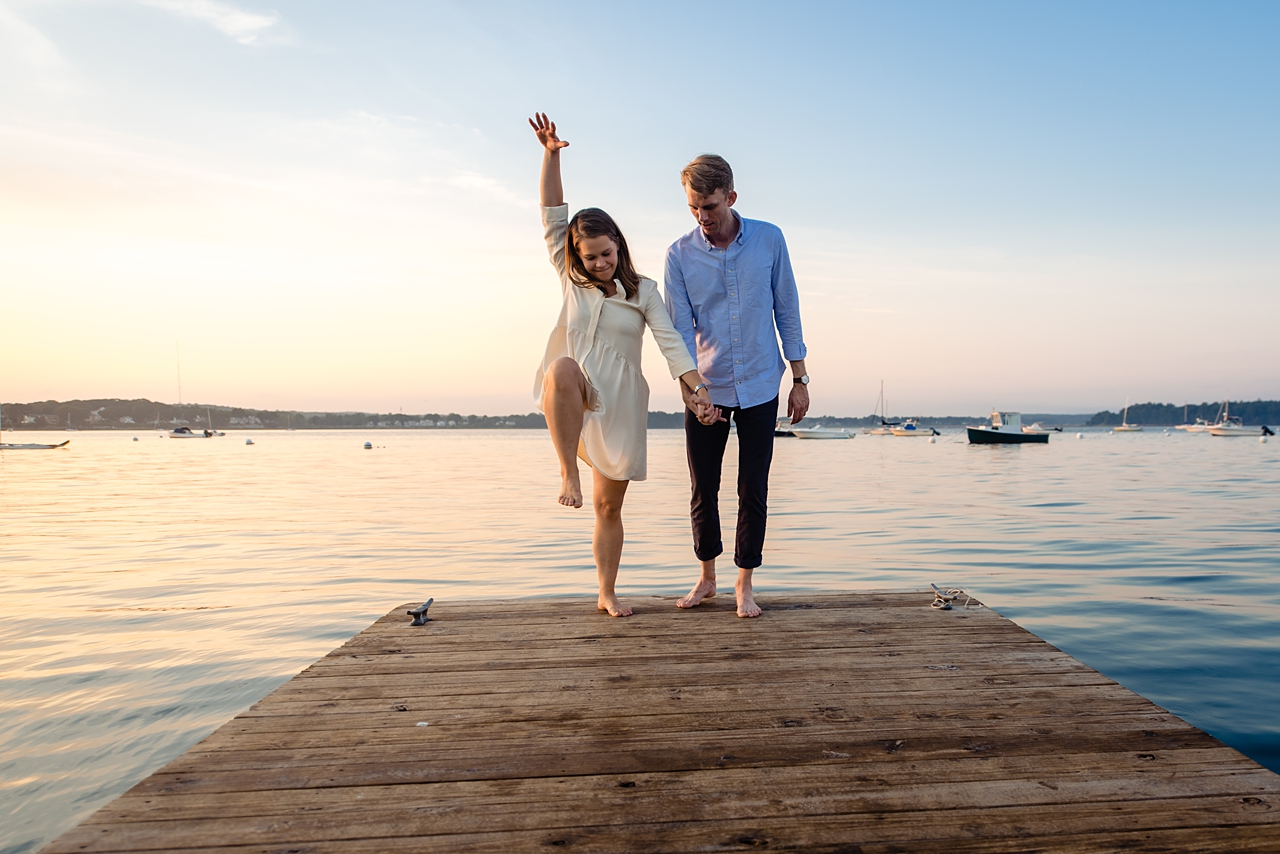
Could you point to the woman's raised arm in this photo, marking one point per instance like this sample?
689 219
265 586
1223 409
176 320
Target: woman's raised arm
551 190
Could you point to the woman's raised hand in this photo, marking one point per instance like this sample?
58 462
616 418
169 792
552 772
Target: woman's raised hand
546 131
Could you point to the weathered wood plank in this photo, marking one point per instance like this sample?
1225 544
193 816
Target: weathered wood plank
927 829
836 722
769 782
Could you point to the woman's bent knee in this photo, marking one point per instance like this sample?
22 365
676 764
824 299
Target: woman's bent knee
564 373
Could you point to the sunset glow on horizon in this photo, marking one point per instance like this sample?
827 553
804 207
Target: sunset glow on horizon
329 206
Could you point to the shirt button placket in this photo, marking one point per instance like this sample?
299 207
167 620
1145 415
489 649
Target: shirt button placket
735 325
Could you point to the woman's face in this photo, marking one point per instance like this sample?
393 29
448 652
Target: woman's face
599 255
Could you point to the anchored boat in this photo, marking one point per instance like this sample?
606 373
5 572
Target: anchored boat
911 427
819 433
882 412
1233 425
1124 425
28 446
1005 428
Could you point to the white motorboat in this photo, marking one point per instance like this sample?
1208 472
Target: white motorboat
1201 426
28 446
1233 426
1125 426
1005 428
188 433
1039 429
911 427
820 433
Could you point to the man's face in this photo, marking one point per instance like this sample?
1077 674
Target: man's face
712 212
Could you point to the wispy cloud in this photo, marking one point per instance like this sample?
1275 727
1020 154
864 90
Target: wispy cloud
26 53
490 187
243 26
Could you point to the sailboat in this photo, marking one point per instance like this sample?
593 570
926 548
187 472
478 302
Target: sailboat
1125 426
26 446
882 409
911 427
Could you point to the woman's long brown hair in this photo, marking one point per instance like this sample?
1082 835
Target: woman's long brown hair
593 222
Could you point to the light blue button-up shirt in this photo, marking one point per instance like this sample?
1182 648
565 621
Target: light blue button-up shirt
726 303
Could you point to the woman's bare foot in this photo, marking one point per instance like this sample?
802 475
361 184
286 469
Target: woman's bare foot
704 589
747 606
570 490
611 604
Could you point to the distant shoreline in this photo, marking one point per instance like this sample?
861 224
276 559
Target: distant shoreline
143 414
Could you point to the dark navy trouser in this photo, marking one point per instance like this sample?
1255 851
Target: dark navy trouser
705 448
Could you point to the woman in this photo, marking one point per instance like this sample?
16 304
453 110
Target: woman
589 385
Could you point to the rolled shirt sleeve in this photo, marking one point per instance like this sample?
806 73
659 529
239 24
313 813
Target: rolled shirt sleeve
786 304
555 224
677 299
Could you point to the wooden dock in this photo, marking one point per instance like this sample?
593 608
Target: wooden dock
835 722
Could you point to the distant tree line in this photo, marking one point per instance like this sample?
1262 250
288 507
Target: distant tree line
114 414
1170 414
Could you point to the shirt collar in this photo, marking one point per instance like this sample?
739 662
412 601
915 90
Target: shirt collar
742 231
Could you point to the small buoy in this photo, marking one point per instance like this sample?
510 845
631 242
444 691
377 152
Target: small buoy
368 446
248 441
933 440
135 438
1079 435
1262 440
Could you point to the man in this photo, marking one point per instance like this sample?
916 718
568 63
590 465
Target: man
728 287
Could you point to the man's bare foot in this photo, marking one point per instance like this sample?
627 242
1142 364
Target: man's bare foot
613 606
704 589
570 490
747 606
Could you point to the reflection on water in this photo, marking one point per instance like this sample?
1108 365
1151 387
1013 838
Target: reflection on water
152 589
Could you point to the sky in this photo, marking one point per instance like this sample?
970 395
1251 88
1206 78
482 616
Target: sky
315 205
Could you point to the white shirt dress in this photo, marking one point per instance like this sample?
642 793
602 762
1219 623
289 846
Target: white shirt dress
603 335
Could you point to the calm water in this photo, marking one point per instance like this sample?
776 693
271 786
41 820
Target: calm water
150 590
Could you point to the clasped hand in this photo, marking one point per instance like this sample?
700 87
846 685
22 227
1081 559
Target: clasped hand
704 410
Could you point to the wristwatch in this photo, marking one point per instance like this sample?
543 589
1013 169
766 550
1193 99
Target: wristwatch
803 380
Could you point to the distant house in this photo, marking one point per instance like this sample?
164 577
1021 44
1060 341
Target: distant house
28 419
125 419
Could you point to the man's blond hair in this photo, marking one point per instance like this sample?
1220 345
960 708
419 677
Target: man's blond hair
707 173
